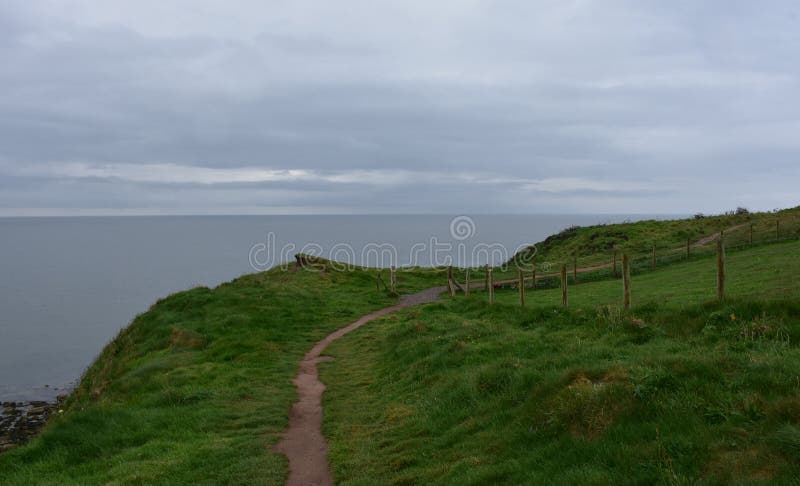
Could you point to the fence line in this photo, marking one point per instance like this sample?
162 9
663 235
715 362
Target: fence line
491 285
626 282
630 266
721 269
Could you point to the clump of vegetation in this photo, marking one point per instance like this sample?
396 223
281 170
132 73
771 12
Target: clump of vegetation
787 439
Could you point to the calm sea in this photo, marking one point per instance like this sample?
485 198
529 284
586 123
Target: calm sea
68 285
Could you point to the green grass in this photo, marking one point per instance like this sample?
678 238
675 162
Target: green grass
198 388
765 271
595 244
681 390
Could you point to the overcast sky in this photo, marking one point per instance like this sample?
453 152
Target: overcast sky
305 106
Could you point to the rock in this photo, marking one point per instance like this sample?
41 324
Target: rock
19 422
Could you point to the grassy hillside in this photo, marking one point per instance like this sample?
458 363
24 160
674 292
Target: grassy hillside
198 388
681 390
595 244
767 271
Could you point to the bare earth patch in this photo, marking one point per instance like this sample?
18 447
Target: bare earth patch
303 442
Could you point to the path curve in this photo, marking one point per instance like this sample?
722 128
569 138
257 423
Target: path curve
714 236
590 268
303 442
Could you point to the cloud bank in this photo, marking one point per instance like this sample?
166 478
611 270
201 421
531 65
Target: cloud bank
197 106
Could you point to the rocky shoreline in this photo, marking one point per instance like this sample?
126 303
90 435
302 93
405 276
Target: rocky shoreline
20 421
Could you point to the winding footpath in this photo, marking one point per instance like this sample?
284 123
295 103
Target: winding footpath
303 442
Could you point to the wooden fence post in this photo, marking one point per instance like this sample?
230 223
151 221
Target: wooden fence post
450 284
378 281
393 279
751 234
521 288
575 269
564 299
654 257
688 247
721 269
614 271
491 286
626 282
466 288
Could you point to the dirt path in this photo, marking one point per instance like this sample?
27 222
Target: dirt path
712 237
701 242
303 442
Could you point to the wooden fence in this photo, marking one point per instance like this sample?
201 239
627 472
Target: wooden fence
453 285
629 267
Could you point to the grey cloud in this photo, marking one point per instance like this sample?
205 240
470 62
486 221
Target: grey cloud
645 91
